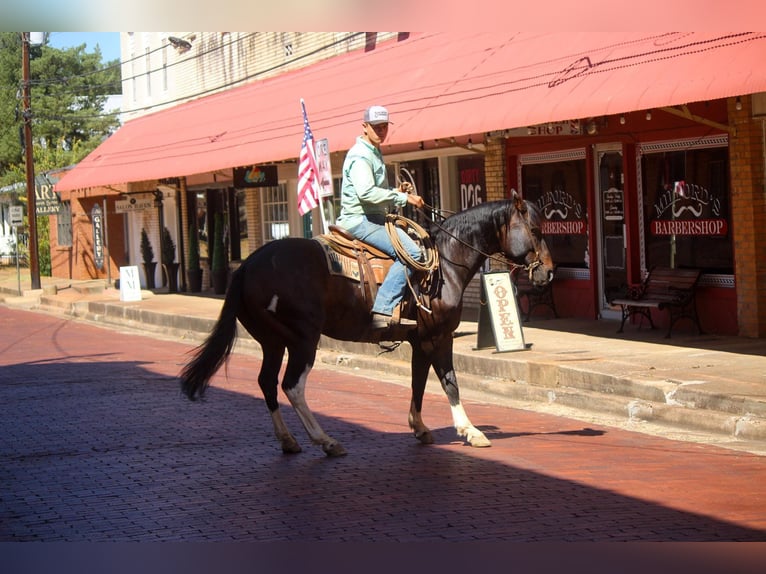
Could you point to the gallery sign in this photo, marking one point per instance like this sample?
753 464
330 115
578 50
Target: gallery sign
47 201
97 220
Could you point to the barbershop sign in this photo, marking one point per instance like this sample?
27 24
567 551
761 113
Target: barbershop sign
562 214
688 209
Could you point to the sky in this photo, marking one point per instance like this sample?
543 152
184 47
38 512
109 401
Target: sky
109 42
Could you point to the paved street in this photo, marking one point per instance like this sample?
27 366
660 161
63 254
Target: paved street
99 445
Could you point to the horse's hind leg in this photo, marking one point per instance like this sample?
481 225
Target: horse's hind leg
299 363
268 380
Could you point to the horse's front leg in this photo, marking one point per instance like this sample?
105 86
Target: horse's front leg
420 368
443 366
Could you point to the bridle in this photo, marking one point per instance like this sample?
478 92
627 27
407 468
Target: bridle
503 259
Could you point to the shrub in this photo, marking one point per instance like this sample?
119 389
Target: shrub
168 247
147 252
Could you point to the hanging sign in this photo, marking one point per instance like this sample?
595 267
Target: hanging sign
97 222
501 312
256 176
133 204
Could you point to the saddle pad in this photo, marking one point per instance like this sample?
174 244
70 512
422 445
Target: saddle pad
337 263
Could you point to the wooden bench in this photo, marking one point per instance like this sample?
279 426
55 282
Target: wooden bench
663 288
533 295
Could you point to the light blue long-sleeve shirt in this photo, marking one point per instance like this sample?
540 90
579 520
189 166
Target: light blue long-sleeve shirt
364 188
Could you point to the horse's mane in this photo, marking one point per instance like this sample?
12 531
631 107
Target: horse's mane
471 224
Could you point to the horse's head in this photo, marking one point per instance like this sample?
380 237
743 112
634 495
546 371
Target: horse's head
523 243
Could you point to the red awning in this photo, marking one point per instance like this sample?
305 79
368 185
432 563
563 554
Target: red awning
435 85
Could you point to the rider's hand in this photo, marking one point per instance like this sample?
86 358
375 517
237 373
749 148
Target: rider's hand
415 200
405 187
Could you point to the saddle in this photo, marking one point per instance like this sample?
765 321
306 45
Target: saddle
349 257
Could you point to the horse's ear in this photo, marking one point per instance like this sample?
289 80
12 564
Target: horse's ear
518 201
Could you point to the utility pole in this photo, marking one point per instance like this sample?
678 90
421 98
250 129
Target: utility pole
34 265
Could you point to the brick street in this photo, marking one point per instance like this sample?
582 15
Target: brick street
99 445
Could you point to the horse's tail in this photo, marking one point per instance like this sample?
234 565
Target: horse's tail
213 353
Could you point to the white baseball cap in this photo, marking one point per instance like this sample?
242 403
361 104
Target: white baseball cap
376 115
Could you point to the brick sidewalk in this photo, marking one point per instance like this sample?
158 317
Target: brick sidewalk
99 445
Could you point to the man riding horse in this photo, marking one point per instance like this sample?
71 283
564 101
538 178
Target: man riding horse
365 199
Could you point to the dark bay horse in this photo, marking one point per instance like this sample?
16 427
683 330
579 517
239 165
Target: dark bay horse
285 297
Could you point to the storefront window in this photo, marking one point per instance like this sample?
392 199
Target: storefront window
275 212
686 209
558 189
64 224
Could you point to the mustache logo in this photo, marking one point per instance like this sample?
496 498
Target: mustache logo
553 211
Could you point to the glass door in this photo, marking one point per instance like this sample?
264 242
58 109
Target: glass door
610 199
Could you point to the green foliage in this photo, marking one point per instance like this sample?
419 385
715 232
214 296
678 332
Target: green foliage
69 89
147 252
168 247
193 261
44 246
219 255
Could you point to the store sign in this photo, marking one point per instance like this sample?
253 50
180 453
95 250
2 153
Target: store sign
614 209
473 187
132 204
501 312
565 128
47 201
97 222
562 214
256 176
688 209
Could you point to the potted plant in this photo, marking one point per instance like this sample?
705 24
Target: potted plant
218 269
147 254
169 264
194 271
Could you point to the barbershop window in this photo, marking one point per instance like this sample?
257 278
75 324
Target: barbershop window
556 184
686 205
64 224
274 207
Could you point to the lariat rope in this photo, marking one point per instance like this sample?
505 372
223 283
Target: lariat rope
431 256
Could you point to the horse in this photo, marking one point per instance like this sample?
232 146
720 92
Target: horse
285 297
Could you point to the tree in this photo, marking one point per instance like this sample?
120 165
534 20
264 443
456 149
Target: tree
68 91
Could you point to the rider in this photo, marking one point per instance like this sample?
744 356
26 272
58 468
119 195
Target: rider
365 199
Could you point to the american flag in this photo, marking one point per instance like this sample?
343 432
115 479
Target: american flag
308 174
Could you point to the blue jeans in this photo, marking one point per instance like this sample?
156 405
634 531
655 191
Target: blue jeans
391 291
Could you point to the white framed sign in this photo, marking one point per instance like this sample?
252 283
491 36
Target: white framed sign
130 284
501 310
17 215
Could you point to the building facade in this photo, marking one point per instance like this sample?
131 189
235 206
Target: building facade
679 185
